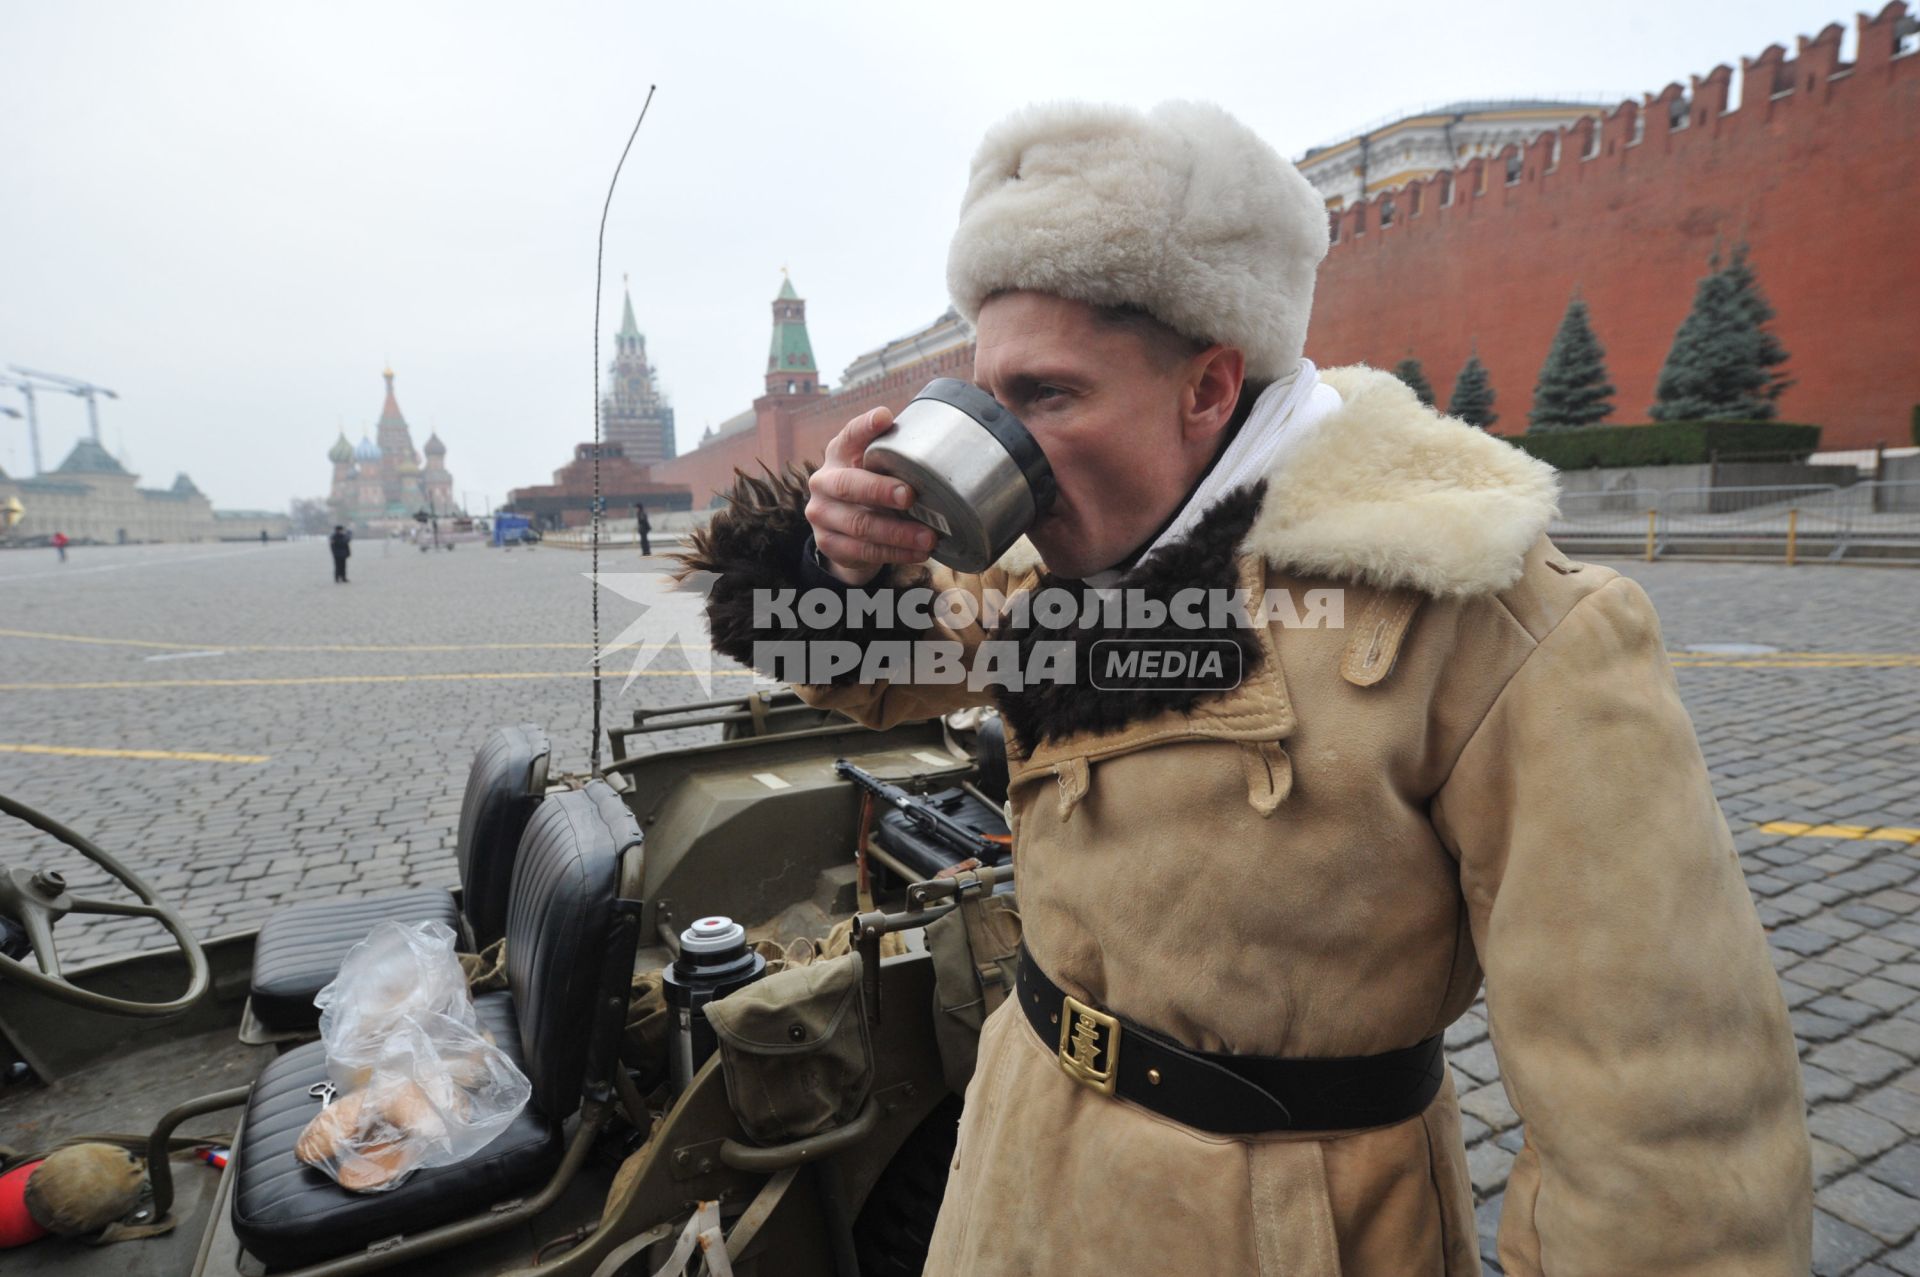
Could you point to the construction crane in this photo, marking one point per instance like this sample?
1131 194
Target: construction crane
33 421
86 390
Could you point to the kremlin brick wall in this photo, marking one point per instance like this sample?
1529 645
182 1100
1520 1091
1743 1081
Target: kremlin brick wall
1818 169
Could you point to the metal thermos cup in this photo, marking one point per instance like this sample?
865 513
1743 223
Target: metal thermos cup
979 478
714 961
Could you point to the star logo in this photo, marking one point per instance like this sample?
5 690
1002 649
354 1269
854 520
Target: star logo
673 618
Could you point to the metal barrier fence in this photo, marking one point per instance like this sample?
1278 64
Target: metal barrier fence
1872 519
610 539
670 528
1815 521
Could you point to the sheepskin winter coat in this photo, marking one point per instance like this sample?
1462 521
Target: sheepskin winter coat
1485 775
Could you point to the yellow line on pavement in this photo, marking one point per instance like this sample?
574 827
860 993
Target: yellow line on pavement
1761 660
1722 656
328 679
1813 661
1797 665
1868 833
1680 659
105 642
166 755
100 641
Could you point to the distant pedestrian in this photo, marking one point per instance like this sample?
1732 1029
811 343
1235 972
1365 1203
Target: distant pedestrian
263 536
644 525
341 543
60 544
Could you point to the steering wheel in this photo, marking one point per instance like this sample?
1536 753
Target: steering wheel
39 899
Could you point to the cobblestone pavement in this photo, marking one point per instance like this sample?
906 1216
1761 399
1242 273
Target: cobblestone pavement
360 705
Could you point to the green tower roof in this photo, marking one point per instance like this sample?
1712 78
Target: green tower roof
792 350
627 327
341 450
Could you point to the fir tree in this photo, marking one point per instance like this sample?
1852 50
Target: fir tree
1472 399
1410 371
1573 389
1772 354
1715 369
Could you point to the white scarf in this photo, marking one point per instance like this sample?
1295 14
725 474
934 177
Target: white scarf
1282 418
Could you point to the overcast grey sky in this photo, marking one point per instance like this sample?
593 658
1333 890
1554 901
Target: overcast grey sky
234 215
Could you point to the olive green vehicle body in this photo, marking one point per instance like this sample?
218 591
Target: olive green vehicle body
756 826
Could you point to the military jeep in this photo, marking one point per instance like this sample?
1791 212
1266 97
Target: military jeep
209 1053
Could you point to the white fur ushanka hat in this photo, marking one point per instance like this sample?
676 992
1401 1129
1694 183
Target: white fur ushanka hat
1182 211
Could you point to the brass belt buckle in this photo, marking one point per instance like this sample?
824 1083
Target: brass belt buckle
1089 1045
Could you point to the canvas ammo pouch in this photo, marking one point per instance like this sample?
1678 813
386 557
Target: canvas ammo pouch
795 1050
976 956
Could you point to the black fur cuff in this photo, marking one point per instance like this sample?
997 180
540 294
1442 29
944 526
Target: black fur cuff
756 546
813 576
1206 559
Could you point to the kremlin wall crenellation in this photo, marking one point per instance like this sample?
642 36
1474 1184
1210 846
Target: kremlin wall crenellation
1814 169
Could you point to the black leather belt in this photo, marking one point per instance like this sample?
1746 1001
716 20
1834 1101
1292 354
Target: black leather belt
1222 1093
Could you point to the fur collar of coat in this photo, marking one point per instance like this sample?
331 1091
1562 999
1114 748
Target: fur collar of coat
1385 492
1389 492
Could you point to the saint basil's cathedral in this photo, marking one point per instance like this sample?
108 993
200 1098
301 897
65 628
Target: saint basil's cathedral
379 483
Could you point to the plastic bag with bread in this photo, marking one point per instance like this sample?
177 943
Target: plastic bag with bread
418 1081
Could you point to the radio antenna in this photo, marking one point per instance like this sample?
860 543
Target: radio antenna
599 256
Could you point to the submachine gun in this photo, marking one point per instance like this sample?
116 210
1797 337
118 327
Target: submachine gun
981 865
926 819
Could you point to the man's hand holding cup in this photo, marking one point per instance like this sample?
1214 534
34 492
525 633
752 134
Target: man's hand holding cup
855 513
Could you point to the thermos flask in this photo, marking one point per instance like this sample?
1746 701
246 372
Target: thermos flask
714 961
979 478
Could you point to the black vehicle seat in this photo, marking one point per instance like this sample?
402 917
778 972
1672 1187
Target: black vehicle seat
558 924
504 785
301 946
